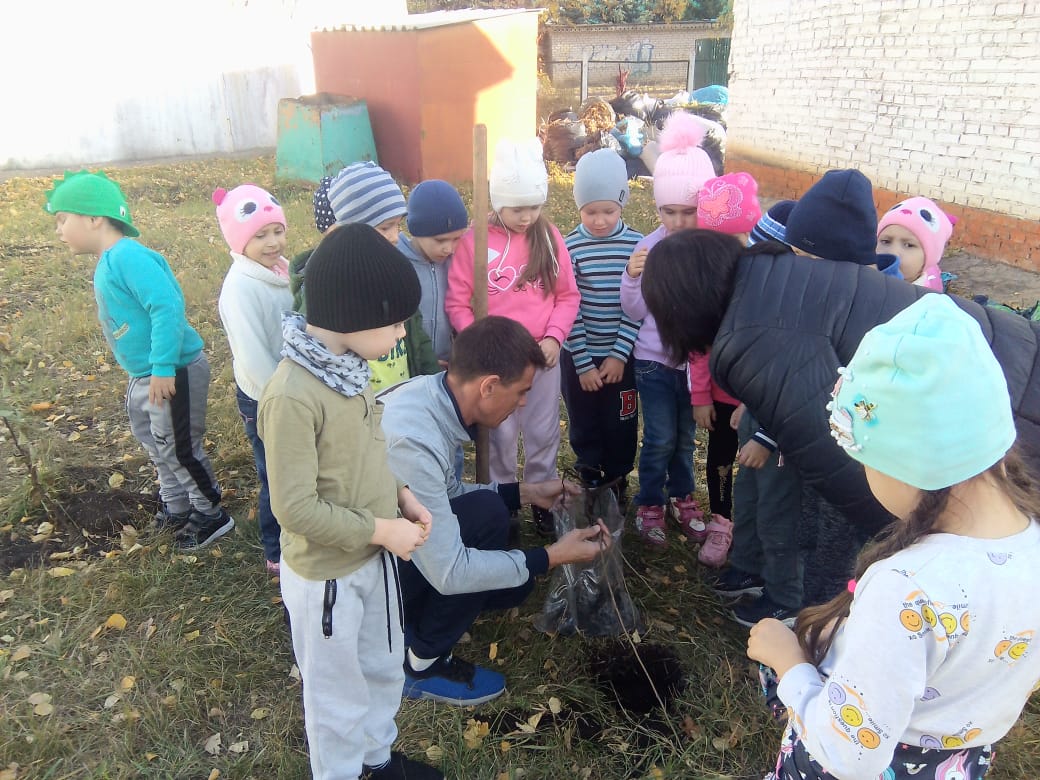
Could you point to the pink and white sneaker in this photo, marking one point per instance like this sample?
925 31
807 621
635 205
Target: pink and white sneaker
689 516
715 549
650 525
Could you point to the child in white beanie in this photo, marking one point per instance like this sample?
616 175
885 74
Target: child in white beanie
530 279
666 461
598 377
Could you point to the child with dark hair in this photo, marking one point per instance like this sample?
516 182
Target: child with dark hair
598 376
927 657
141 309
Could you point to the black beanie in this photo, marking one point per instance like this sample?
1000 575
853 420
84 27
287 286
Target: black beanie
835 219
357 280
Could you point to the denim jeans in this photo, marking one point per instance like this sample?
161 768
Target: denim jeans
270 531
666 458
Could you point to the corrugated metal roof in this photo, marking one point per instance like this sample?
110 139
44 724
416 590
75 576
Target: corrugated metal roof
434 19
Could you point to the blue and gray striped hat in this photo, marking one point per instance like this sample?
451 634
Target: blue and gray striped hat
364 192
772 226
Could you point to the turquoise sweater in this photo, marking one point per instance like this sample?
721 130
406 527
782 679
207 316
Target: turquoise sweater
141 308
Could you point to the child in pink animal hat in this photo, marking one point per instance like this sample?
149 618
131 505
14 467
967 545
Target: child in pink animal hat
916 231
729 204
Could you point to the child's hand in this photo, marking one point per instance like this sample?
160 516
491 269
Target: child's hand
551 350
590 381
735 418
704 416
774 644
160 388
412 509
400 536
636 263
753 455
611 370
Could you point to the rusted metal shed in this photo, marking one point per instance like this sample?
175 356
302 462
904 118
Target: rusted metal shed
428 79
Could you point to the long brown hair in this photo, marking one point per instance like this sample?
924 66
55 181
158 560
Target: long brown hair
818 626
543 264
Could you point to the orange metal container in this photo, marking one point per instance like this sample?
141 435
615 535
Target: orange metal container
430 79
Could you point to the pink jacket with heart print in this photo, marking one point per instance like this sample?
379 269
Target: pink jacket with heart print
543 315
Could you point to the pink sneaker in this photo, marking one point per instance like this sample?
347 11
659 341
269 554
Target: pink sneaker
716 547
689 516
650 524
273 568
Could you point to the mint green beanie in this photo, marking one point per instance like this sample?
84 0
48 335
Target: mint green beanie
92 195
924 400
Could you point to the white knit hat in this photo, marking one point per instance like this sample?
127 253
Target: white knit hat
518 175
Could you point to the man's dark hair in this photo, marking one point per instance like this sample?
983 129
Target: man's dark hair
494 345
687 284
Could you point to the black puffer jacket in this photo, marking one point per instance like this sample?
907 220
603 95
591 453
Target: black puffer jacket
792 321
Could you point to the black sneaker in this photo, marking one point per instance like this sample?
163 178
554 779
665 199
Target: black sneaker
453 681
734 583
165 520
749 613
400 767
543 522
201 530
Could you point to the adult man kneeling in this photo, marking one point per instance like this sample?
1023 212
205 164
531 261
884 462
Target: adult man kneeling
465 568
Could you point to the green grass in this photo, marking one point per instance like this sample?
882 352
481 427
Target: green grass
204 640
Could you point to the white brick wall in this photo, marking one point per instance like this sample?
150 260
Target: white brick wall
929 97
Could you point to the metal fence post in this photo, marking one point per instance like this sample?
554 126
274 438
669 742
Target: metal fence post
584 76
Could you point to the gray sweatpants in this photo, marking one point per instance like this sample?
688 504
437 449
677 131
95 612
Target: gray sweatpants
767 506
349 645
172 435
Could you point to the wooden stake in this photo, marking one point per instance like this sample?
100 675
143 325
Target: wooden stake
480 262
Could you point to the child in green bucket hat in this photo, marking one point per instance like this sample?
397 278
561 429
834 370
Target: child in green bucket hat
141 309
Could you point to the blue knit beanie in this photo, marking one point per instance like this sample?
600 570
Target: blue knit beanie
364 192
893 407
836 220
772 226
600 175
436 208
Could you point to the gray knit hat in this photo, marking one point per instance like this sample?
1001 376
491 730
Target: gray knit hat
364 192
600 175
357 280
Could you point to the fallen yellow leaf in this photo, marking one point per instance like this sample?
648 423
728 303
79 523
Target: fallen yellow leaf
213 775
239 747
21 653
127 682
41 406
435 753
191 636
116 621
554 705
493 651
60 571
116 480
259 713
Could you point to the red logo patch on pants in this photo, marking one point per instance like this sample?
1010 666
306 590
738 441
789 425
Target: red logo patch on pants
628 404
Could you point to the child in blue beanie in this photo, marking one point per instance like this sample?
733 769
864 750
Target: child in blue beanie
927 657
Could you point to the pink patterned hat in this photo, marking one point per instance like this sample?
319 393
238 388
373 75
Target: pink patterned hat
729 204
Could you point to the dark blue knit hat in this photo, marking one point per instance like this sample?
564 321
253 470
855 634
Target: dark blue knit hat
435 208
836 220
323 216
772 226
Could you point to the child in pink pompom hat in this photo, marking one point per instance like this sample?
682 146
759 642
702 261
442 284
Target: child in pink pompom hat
916 231
253 298
729 204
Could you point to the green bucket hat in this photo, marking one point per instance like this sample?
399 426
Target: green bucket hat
92 195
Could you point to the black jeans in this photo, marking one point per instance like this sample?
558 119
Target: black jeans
433 622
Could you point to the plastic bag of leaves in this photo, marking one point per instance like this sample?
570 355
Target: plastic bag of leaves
591 598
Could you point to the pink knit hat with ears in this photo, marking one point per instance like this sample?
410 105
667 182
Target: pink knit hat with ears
683 166
928 223
244 212
729 204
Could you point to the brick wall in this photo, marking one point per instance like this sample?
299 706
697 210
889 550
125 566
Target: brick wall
927 97
654 53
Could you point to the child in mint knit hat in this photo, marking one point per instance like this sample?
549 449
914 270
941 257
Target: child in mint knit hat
141 308
927 658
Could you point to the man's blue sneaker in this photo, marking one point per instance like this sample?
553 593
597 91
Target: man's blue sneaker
453 681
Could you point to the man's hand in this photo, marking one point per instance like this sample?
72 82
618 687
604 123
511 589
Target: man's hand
704 416
551 350
545 494
753 455
636 263
579 545
611 370
160 388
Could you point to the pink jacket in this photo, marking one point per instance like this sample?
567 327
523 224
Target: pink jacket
542 315
703 389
